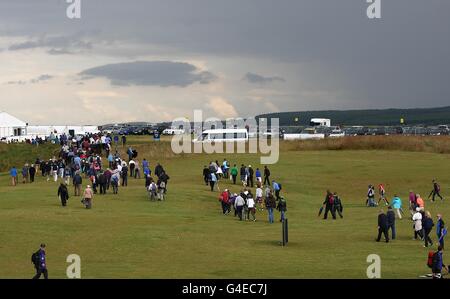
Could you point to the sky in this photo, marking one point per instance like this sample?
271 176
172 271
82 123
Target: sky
158 60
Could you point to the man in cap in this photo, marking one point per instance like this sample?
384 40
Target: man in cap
40 264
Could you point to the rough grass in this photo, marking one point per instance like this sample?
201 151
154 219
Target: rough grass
187 237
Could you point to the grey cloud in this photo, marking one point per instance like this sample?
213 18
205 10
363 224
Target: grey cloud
57 44
39 79
150 73
258 79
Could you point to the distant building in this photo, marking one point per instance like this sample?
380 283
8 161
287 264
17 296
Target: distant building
11 126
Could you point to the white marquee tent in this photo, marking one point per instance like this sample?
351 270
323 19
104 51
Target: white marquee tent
11 126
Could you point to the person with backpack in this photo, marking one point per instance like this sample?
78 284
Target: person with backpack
115 182
282 208
417 219
427 225
436 263
391 222
382 227
436 191
440 230
370 202
277 188
397 206
40 264
329 203
63 194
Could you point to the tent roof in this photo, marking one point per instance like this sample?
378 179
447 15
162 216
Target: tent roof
7 120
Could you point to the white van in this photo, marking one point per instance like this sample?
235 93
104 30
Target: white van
223 135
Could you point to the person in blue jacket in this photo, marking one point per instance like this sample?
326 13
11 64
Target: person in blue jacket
397 206
13 174
276 188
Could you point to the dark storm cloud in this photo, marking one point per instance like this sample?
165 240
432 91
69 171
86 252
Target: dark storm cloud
398 61
150 73
258 79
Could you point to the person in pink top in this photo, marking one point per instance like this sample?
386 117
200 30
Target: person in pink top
87 197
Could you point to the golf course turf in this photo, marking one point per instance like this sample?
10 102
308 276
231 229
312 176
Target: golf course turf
186 236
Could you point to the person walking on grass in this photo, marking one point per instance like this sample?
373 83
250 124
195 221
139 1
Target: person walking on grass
77 182
382 193
276 188
270 205
13 174
239 206
63 194
371 196
153 191
32 173
412 201
436 191
212 180
224 199
329 203
382 227
266 176
258 176
337 205
420 203
88 195
282 208
391 222
205 174
251 207
40 264
440 230
427 228
161 189
234 173
438 263
417 219
397 206
25 174
259 197
243 175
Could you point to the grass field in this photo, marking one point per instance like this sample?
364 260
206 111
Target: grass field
126 236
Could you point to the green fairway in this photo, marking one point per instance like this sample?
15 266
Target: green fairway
127 236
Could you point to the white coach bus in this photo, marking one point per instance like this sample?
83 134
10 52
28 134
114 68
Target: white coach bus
223 135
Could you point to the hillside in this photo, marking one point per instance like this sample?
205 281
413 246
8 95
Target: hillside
382 117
